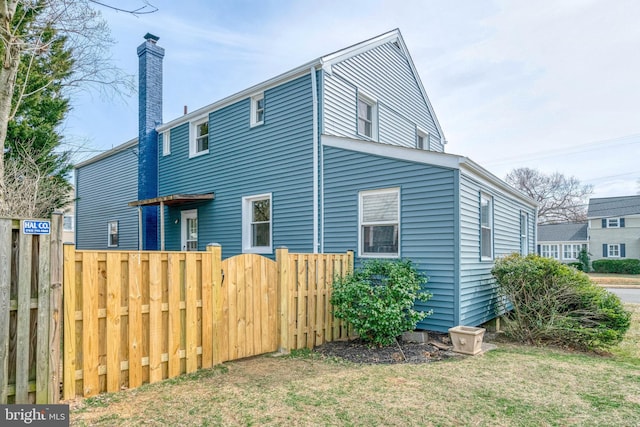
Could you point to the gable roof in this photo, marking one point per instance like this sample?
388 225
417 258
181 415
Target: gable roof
613 206
323 62
562 232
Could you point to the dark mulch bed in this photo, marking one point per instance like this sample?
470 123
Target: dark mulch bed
437 347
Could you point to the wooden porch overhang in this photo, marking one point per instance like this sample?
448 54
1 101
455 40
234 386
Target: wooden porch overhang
170 200
173 199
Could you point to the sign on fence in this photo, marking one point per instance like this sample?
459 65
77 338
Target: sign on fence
36 227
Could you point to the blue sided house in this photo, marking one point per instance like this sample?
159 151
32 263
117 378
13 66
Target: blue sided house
342 153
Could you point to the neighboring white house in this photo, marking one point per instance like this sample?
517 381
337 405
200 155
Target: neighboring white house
562 241
614 227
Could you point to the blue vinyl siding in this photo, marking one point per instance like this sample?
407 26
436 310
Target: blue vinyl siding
103 189
477 285
385 74
276 158
427 215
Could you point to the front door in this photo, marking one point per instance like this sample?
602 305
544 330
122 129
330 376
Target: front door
189 220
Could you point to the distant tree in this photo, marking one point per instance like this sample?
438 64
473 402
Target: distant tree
36 170
560 199
31 31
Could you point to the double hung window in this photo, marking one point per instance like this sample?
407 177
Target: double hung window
486 227
199 140
379 223
257 110
257 225
112 227
367 112
550 251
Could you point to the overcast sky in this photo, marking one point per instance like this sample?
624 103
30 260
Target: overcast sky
551 85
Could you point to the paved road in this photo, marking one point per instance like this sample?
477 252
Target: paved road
627 294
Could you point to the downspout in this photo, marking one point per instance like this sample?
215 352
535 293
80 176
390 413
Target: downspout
140 238
314 93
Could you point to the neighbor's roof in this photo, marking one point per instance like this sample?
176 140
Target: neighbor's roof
562 232
613 207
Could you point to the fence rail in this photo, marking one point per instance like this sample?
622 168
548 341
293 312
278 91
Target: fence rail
140 317
30 310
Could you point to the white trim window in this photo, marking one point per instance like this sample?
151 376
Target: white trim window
524 233
486 227
423 140
67 223
199 137
571 251
257 110
613 222
550 251
257 224
113 236
166 143
613 250
379 223
367 116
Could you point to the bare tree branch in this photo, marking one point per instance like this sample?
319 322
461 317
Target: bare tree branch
143 10
560 199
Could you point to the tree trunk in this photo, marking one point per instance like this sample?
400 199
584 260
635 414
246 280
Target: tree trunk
8 72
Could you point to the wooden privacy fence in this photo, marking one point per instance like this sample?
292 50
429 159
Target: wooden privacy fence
140 317
30 313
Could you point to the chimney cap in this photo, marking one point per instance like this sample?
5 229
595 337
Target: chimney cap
150 37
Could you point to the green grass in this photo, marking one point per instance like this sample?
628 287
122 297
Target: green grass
512 386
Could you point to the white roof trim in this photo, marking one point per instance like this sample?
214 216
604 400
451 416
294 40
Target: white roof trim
434 158
125 145
358 48
393 151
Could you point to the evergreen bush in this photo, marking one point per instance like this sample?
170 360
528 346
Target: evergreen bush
378 299
548 302
617 266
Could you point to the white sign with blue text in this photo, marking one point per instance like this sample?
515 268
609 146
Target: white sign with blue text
36 227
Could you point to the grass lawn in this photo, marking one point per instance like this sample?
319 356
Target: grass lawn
609 279
512 386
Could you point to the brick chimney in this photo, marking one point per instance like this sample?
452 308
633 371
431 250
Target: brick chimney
149 116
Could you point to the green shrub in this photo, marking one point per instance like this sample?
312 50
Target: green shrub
577 265
584 257
618 266
553 303
377 299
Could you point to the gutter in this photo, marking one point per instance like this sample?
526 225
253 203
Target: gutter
314 93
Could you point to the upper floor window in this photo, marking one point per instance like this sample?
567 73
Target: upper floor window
486 227
67 223
613 223
367 116
199 140
524 235
256 224
166 143
422 140
112 227
257 110
379 223
550 251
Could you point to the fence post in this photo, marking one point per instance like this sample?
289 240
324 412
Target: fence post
69 322
350 261
55 322
282 259
5 289
216 292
